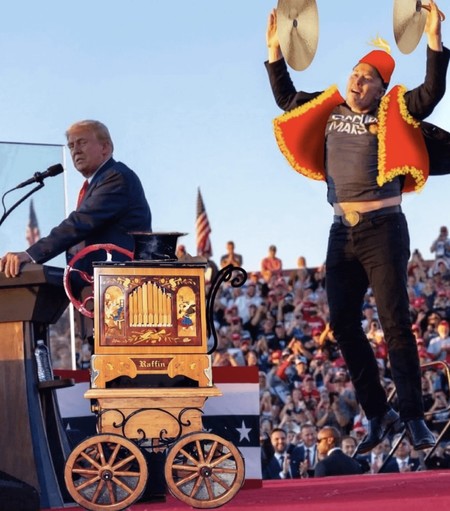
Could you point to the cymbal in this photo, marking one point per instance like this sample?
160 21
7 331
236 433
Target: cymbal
298 31
409 24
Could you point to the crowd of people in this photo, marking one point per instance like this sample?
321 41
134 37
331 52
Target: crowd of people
279 321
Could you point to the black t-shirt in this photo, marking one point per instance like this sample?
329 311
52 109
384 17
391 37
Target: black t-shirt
351 158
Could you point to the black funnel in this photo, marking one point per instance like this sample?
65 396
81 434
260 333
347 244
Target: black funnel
155 246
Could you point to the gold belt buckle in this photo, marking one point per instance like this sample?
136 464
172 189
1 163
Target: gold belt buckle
351 218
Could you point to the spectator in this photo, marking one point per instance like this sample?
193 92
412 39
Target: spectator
376 457
402 461
310 393
439 413
286 308
243 301
263 387
268 331
251 358
333 462
231 257
293 371
441 246
417 266
326 413
348 445
300 279
430 324
440 345
304 456
262 349
271 265
344 403
265 404
415 287
280 336
278 465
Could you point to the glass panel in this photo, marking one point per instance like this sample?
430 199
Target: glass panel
19 162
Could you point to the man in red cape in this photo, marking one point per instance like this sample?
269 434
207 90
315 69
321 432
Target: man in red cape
369 148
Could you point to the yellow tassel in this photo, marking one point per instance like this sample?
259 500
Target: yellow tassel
381 43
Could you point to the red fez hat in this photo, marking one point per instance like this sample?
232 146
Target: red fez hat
382 62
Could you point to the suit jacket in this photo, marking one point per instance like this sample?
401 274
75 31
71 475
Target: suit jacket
392 465
272 469
337 464
114 205
297 456
365 460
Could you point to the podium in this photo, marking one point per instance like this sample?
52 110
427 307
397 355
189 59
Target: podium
33 445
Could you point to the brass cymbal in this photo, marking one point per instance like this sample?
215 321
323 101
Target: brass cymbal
409 24
298 31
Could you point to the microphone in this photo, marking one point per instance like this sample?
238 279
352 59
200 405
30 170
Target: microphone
38 177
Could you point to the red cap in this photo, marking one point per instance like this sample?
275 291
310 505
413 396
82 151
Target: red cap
382 62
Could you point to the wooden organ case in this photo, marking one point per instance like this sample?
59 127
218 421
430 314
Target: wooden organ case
150 320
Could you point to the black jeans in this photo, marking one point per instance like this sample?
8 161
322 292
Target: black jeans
374 253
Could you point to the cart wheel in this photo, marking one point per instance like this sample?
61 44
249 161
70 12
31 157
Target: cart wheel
204 470
106 472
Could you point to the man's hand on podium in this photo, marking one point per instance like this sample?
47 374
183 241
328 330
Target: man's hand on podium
11 262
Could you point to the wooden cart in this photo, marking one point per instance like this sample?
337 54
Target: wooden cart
150 377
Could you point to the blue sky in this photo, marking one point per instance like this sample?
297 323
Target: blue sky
183 89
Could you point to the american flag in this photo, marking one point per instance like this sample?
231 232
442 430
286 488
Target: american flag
203 229
32 232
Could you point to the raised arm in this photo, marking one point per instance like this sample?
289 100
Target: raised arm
433 27
273 44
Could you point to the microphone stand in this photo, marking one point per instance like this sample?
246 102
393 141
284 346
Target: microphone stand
14 206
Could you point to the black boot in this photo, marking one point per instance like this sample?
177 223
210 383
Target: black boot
379 427
419 434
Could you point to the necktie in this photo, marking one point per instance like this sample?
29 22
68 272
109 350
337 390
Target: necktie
281 461
308 458
82 193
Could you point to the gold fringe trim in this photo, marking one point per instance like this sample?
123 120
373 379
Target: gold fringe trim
296 112
384 176
382 114
417 174
403 110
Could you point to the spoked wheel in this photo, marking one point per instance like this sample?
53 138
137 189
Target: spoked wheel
204 470
106 472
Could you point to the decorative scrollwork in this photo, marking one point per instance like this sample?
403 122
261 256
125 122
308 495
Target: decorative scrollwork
163 439
237 277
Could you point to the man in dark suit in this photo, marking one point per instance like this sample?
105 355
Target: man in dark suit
374 460
278 465
333 462
402 460
304 456
113 203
